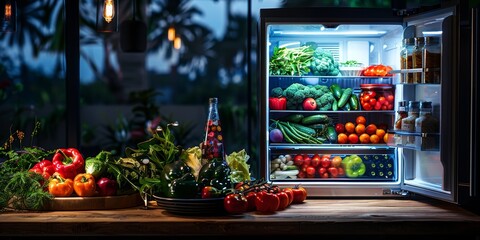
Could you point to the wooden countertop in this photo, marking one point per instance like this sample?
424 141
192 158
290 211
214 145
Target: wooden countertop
327 217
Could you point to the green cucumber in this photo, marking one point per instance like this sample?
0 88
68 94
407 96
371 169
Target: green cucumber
345 97
332 134
336 90
317 118
295 118
353 102
318 126
347 107
335 105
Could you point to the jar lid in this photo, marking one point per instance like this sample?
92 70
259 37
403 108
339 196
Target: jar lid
375 86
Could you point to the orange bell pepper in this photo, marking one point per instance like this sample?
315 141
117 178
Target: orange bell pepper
60 187
84 185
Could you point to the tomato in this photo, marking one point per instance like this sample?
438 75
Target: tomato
210 192
299 194
310 171
298 160
373 101
325 161
307 160
289 192
235 203
284 200
267 202
339 128
315 160
336 161
333 171
251 200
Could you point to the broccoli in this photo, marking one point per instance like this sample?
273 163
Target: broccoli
324 103
296 94
323 63
276 92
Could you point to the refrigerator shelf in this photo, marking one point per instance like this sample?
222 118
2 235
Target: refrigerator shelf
414 141
342 81
331 148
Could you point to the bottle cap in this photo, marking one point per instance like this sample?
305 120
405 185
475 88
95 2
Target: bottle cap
413 105
425 105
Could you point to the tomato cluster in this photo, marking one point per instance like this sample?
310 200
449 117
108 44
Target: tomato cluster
265 198
376 97
322 166
377 71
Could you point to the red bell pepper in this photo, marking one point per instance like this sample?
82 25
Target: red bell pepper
44 168
68 162
277 103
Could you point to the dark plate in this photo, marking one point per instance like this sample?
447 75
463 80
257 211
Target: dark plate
210 206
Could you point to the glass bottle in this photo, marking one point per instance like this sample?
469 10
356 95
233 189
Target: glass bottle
426 123
406 60
417 58
212 146
401 114
408 123
431 56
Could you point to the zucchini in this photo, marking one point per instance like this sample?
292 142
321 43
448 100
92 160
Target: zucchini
305 129
336 90
318 126
332 134
317 118
295 118
335 105
353 102
345 97
347 107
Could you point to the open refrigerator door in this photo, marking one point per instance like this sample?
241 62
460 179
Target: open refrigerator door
332 91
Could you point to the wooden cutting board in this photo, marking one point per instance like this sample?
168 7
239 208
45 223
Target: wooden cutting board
94 203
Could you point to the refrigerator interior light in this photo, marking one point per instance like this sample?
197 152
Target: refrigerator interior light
325 33
431 33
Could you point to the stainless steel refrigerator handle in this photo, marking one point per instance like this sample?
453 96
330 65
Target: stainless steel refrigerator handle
474 103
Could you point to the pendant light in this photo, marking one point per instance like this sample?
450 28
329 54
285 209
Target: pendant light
8 15
133 34
107 19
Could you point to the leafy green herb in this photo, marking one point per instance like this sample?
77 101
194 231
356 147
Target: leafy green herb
20 188
291 61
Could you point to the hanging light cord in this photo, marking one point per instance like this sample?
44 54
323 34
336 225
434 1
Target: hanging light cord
134 9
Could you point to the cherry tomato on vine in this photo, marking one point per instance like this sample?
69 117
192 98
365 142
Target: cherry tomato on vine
284 200
299 194
251 200
235 203
289 192
267 202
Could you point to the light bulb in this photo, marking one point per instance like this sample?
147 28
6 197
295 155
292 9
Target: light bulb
8 11
171 33
177 43
108 10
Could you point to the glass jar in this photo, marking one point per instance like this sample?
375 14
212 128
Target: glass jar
406 60
417 59
377 97
408 123
431 57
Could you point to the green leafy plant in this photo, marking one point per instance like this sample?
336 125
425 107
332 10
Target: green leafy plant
19 188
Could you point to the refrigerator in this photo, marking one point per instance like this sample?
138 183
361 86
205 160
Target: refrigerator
302 50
